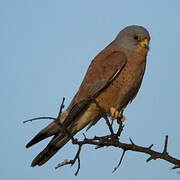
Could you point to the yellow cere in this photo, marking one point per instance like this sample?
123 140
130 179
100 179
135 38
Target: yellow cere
144 42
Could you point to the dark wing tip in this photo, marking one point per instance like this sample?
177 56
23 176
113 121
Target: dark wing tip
28 145
54 145
50 130
36 162
36 139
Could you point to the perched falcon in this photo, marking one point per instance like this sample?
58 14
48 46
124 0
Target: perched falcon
112 79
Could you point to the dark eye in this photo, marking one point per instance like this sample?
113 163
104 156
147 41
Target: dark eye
137 37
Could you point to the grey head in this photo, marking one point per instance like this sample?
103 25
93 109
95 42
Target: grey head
131 36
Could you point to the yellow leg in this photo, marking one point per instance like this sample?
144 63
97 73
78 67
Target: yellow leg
116 115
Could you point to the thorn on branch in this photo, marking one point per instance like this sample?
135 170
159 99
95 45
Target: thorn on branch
124 150
98 147
77 171
84 136
175 167
165 146
152 157
65 162
150 146
131 141
162 155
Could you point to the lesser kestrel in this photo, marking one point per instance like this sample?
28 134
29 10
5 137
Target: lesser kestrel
120 68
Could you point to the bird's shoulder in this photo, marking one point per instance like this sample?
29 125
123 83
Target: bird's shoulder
100 70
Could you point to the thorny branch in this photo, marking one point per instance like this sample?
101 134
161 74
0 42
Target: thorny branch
111 140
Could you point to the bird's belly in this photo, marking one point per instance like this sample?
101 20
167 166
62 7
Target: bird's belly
121 91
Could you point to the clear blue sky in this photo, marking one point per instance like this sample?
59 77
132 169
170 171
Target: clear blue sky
46 47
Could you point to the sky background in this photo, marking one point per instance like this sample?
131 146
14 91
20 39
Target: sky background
46 47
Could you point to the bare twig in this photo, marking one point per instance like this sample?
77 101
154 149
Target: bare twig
38 118
71 162
150 146
165 146
120 161
47 117
131 141
176 167
61 108
77 171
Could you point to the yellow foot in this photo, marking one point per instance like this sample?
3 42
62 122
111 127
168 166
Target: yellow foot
116 115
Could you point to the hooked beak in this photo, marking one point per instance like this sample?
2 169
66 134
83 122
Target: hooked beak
144 43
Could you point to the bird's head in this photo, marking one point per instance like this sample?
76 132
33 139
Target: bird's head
133 38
